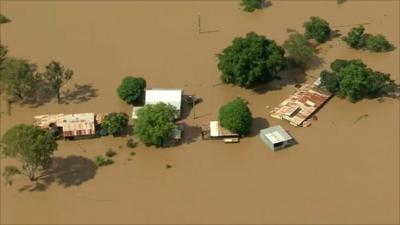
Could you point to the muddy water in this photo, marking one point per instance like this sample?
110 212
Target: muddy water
343 169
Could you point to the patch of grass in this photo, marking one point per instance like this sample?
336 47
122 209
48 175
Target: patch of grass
130 143
102 161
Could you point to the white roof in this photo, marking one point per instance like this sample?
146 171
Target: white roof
275 137
276 134
167 96
214 128
135 111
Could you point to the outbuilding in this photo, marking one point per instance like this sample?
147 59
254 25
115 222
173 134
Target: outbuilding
276 138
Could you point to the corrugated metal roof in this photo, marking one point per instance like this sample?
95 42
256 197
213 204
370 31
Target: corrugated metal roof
80 124
301 105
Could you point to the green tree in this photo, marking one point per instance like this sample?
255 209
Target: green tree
251 59
32 145
353 80
4 19
115 123
356 37
378 43
131 89
3 55
155 123
300 50
251 5
17 78
236 116
318 29
57 76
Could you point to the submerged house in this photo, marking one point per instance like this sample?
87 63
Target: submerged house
69 125
276 138
215 131
167 96
300 106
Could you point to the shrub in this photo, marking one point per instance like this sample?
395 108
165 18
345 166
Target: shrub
318 29
251 5
353 80
357 39
4 19
131 89
115 123
102 161
300 50
236 116
378 43
111 153
251 59
155 123
130 143
132 153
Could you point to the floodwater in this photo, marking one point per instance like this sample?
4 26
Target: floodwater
344 169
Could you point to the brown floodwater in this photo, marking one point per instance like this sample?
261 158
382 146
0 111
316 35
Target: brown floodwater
344 169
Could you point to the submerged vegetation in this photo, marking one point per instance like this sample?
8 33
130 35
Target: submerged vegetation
236 116
251 5
131 89
4 19
317 29
300 51
357 39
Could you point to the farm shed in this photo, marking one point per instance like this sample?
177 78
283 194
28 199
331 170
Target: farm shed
275 137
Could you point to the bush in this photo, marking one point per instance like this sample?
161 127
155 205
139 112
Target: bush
378 43
111 153
236 116
300 50
357 39
4 19
131 89
130 143
352 79
115 123
132 153
155 123
251 5
251 59
102 161
318 29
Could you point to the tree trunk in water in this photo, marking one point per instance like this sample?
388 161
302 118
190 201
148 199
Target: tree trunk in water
58 96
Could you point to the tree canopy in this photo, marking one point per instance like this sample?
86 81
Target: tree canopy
131 89
32 145
251 5
115 123
357 39
236 116
251 59
353 80
300 50
318 29
17 78
155 123
57 76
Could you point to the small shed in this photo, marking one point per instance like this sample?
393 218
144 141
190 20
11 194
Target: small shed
167 96
276 137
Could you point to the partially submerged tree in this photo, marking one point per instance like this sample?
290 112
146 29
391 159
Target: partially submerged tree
353 80
318 29
32 145
251 5
155 123
131 89
357 39
300 50
57 76
4 19
236 116
3 54
115 123
17 78
251 59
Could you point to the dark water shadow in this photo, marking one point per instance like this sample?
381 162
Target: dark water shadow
67 172
79 94
190 133
291 76
258 124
